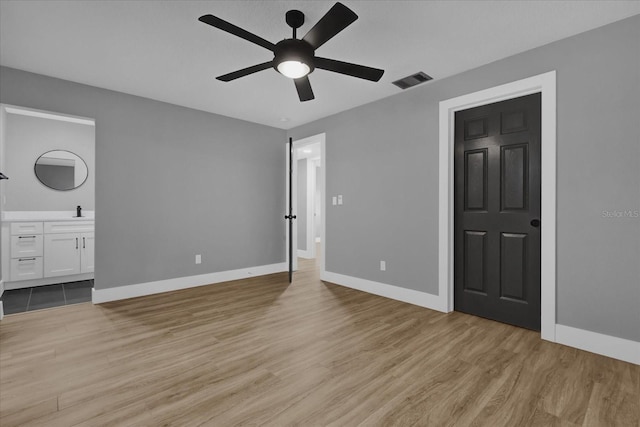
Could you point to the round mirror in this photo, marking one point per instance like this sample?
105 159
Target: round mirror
61 170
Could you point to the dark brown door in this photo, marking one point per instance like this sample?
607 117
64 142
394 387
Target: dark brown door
497 211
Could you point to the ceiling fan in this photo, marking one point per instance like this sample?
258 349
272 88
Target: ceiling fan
295 58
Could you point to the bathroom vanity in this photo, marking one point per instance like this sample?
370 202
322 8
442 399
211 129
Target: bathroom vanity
42 248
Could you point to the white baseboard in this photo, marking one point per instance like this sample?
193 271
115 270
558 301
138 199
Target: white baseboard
21 284
149 288
606 345
1 287
410 296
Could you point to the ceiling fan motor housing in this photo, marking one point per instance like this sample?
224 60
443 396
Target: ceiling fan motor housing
294 18
293 50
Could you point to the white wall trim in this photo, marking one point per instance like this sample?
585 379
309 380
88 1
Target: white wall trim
546 85
23 111
149 288
606 345
397 293
22 284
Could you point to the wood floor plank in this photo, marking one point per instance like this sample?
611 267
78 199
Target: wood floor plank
262 351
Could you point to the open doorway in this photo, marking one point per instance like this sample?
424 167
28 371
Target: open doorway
308 189
308 199
46 209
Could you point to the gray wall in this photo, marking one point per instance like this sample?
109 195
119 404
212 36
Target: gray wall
301 215
27 138
171 182
383 157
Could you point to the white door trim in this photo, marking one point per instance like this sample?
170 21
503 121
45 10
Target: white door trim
321 139
546 85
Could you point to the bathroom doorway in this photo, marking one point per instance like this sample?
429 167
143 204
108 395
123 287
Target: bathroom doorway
308 201
46 209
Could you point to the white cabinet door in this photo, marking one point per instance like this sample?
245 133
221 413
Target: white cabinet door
86 255
61 254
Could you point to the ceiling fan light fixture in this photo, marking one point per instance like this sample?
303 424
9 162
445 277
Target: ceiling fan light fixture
293 58
293 69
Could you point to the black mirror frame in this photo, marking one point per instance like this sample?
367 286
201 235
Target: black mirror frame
58 189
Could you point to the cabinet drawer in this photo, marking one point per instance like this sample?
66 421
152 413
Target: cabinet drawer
68 227
26 268
18 228
26 246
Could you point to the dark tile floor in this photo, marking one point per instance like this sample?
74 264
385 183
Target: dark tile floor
29 299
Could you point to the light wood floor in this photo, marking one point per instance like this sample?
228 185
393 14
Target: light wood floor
262 352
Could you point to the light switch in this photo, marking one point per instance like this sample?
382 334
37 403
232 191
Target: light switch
334 200
383 266
339 199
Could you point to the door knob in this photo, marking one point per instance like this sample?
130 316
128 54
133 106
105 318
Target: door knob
289 217
535 223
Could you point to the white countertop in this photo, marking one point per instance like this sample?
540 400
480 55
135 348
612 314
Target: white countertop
25 216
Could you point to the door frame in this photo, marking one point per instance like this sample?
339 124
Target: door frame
6 109
546 85
321 139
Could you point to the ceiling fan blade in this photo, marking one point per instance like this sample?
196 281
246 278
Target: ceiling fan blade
354 70
214 21
337 19
303 86
245 71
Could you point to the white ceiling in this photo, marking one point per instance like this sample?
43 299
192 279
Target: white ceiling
159 49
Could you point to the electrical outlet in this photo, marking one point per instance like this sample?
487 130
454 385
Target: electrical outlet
198 259
334 200
339 199
383 265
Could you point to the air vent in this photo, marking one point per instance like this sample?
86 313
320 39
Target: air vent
412 80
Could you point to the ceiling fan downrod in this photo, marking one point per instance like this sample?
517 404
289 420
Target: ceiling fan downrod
295 19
